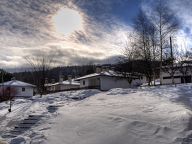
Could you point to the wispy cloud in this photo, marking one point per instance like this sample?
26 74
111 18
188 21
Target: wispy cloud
27 27
182 10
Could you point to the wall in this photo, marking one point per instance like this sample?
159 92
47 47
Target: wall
51 88
115 82
177 80
27 93
90 82
169 81
67 87
84 85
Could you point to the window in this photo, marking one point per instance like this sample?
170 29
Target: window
83 82
23 89
169 77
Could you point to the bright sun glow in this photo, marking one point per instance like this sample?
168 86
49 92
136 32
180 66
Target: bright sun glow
66 21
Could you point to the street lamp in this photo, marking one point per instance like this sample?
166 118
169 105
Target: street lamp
10 103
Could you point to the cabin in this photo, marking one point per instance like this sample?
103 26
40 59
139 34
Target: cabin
17 88
69 84
107 79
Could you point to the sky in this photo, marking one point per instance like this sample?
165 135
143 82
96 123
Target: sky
75 32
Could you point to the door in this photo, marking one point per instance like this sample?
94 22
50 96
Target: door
186 79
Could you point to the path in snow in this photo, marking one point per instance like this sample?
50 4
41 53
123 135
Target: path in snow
29 118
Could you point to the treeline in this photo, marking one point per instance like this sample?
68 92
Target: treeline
137 66
54 73
5 76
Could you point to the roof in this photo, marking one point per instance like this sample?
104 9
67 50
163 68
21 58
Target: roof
64 83
16 83
109 73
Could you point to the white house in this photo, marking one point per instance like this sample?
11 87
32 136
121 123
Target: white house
69 84
108 79
181 74
18 88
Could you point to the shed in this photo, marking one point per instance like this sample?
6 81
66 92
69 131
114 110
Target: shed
18 88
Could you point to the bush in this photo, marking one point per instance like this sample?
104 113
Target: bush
7 93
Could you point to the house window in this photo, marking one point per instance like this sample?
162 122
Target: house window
169 77
23 89
83 82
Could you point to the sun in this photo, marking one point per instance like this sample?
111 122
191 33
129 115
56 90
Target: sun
66 21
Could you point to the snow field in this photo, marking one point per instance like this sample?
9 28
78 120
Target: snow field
147 115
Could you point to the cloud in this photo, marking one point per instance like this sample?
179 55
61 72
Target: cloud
26 27
182 10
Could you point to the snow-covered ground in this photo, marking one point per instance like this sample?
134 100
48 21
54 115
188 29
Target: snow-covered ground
147 115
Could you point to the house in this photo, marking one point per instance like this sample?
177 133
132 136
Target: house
107 79
181 74
69 84
18 88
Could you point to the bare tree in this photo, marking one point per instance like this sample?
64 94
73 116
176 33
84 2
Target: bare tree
166 24
129 47
40 65
151 37
155 51
127 62
142 46
145 43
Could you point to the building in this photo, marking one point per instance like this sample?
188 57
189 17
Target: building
17 88
108 79
69 84
182 74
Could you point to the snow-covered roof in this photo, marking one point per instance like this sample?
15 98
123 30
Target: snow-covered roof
64 83
16 83
109 73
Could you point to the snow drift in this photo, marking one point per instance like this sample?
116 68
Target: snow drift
122 116
156 115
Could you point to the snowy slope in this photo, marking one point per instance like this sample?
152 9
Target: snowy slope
148 115
42 107
121 117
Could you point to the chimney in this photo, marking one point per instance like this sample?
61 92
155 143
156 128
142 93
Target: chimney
70 79
60 78
107 69
46 80
52 81
112 68
103 69
98 70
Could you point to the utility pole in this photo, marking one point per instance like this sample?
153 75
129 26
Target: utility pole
171 50
172 60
